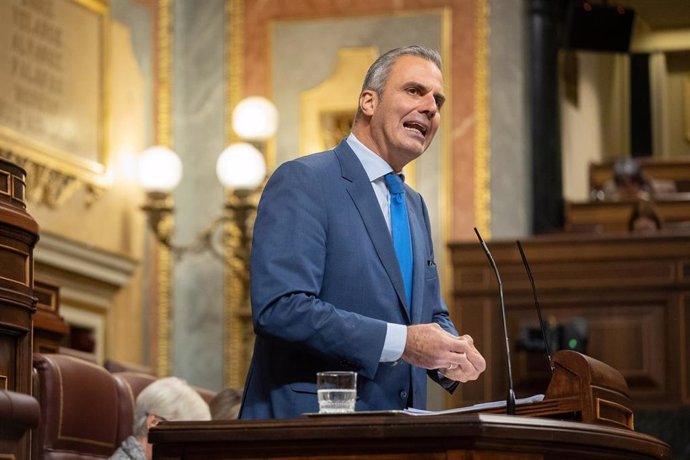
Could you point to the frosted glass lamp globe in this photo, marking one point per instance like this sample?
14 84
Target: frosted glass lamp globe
255 119
241 167
159 169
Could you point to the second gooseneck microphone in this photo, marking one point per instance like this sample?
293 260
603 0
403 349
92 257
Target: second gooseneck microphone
510 399
536 305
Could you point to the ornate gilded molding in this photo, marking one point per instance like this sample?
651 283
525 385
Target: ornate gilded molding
482 174
50 187
686 105
327 110
164 34
237 330
240 207
445 194
164 136
234 62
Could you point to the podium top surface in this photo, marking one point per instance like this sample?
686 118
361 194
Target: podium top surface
396 434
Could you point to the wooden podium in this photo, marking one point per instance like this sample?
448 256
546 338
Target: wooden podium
581 389
462 437
585 390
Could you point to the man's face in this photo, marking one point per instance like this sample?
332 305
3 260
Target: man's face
406 117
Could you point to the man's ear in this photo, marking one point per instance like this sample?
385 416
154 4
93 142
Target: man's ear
368 101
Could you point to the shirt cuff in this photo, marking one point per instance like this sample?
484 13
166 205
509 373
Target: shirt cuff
394 345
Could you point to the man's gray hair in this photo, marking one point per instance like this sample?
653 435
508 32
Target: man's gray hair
169 398
378 73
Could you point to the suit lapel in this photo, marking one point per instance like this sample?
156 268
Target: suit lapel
359 188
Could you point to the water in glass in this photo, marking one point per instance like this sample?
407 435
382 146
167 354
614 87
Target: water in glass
336 401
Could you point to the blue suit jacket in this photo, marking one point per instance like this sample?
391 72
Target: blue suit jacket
325 281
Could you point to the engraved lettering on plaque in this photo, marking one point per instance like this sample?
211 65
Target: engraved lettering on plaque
52 84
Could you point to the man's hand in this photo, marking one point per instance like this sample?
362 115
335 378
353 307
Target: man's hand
430 347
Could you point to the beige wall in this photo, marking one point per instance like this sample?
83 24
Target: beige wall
594 119
111 225
670 77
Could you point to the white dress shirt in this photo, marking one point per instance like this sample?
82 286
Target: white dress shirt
376 168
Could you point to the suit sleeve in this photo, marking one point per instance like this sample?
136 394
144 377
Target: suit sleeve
287 268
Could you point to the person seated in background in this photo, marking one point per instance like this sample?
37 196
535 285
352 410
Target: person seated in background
226 404
628 183
644 218
166 399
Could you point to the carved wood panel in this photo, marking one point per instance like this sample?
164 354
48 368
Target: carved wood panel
622 300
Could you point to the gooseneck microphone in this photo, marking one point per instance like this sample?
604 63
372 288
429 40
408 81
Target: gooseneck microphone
536 304
510 399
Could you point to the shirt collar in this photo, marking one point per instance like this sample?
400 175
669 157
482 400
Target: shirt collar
375 166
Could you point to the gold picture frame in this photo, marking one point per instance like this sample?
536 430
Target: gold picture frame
54 96
462 188
686 104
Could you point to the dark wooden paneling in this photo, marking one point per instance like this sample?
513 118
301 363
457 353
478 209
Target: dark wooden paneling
630 291
676 170
49 327
18 235
613 216
684 325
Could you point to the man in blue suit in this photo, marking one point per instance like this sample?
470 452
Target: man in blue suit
329 288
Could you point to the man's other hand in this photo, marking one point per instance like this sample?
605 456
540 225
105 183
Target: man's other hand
430 347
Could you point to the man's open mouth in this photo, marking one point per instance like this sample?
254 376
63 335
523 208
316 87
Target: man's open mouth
416 126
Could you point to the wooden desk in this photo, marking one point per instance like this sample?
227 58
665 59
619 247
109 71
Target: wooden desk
461 437
675 170
613 216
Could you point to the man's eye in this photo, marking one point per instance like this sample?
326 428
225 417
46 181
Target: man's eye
413 90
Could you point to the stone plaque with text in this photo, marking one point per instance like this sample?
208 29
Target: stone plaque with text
52 86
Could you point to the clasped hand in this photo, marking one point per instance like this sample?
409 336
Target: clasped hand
430 347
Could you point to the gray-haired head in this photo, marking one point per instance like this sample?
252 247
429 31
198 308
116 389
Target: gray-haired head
628 168
377 75
169 398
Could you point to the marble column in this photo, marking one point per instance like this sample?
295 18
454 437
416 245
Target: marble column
547 183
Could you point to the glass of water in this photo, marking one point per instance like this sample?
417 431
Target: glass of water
337 391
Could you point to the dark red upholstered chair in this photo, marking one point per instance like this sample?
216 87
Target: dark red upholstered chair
85 411
19 413
134 381
122 366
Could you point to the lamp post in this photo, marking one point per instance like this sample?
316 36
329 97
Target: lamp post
160 171
241 169
254 119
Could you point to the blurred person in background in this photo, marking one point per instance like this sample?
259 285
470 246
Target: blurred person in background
166 399
226 404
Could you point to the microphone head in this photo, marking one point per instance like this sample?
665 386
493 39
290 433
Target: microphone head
481 240
542 324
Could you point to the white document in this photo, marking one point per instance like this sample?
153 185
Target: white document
476 407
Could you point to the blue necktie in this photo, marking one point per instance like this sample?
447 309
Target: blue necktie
400 230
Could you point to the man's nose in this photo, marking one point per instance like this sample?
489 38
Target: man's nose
428 105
